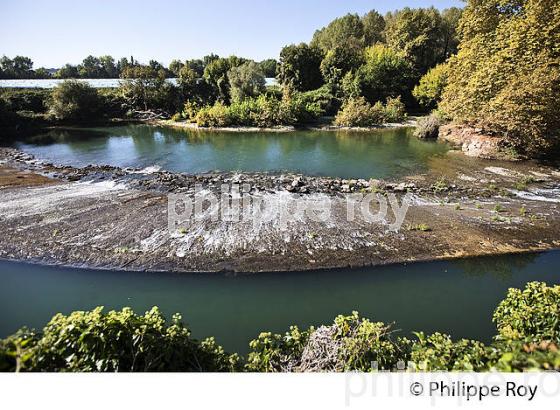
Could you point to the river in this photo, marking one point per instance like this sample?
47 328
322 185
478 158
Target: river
382 153
457 297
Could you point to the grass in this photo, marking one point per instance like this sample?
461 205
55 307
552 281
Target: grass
182 231
440 185
521 185
498 218
419 227
458 207
522 211
499 208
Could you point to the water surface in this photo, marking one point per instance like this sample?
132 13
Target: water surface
377 154
457 297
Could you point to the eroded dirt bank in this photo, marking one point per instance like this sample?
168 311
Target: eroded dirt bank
109 217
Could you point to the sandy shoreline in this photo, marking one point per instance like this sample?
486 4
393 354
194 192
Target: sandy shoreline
409 122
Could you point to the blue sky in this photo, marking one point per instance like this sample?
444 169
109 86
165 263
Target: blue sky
58 31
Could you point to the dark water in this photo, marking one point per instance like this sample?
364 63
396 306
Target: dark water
457 297
378 154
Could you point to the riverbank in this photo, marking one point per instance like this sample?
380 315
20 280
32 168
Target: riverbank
117 218
411 121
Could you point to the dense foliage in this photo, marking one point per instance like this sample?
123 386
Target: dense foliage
357 112
113 341
74 100
429 90
506 76
528 338
262 111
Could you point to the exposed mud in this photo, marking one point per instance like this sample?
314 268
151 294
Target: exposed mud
108 217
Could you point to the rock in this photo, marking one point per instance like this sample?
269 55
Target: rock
472 141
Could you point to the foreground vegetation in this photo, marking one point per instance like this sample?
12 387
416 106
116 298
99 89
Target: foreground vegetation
528 324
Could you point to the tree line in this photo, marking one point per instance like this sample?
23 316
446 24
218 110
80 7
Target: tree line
493 65
21 68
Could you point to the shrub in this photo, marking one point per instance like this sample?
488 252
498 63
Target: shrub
74 100
263 111
323 98
357 112
428 127
113 341
350 343
529 314
439 352
190 110
25 99
217 115
394 110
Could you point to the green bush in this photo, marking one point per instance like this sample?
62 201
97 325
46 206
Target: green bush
529 314
190 110
113 341
25 99
439 352
350 343
75 100
357 112
323 98
394 110
263 111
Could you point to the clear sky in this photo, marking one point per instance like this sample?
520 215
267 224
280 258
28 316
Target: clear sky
55 32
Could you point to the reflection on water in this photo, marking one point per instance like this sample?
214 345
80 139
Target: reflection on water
378 154
457 297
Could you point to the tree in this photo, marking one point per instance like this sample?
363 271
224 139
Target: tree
18 67
197 65
430 89
505 77
68 71
90 68
419 35
374 25
450 17
145 88
122 64
74 100
385 74
268 67
175 67
338 62
299 67
42 72
216 74
246 80
108 67
343 31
